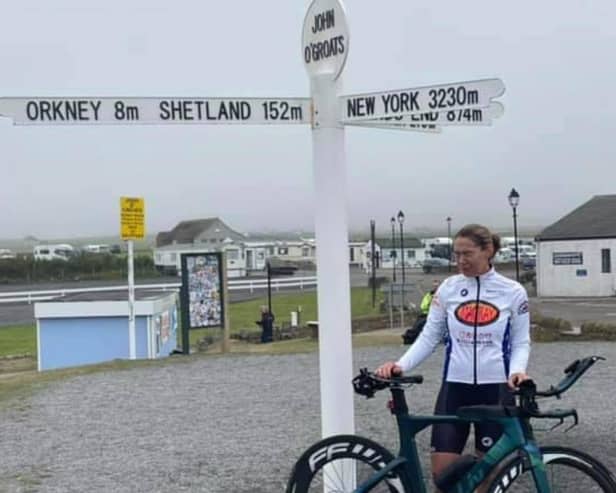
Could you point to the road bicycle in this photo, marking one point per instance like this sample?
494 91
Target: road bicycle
514 464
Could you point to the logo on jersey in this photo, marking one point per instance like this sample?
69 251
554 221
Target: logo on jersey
483 312
523 308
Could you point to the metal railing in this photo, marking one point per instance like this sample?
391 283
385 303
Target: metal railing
234 285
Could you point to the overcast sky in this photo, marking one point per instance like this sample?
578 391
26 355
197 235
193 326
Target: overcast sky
555 143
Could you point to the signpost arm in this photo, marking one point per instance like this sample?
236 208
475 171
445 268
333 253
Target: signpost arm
335 349
132 349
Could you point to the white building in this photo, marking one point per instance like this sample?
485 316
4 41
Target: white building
437 240
574 255
359 253
390 254
258 251
200 235
367 256
245 254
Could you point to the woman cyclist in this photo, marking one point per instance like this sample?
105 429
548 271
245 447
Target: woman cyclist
484 318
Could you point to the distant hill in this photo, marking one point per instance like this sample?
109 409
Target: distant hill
25 245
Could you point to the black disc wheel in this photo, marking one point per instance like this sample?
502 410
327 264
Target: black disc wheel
567 471
338 464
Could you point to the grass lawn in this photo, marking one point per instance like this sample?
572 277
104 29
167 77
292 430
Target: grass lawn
243 315
18 340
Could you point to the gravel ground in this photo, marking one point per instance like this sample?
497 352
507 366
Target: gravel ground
237 423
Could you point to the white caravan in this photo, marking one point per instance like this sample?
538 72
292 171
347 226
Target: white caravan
62 251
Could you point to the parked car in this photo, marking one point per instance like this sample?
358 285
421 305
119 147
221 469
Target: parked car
435 263
504 255
528 262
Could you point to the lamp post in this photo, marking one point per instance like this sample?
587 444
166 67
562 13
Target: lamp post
268 268
401 222
448 244
514 200
393 244
373 260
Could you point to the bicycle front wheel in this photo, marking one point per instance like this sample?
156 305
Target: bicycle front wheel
340 463
567 471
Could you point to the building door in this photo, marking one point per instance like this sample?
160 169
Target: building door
249 260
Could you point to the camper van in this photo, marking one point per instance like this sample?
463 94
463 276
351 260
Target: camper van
5 253
53 252
97 249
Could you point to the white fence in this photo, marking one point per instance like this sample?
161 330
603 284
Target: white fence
243 285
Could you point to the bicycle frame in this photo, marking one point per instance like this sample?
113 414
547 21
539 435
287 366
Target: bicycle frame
517 436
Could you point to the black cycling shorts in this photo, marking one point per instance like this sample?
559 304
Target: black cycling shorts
451 437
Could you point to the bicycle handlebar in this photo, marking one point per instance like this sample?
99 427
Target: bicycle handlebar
573 372
367 383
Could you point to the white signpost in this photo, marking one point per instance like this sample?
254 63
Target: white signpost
444 97
88 111
386 125
325 46
324 25
325 39
459 117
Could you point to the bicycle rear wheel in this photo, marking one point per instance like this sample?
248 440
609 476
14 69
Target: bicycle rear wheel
339 463
551 453
567 471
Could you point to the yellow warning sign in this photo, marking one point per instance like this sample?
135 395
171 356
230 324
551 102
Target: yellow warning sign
132 216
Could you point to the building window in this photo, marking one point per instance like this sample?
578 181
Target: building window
352 251
270 251
606 261
410 254
283 251
305 252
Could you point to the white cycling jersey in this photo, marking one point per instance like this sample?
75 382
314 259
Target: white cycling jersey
485 323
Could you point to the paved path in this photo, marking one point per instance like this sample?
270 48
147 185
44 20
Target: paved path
236 423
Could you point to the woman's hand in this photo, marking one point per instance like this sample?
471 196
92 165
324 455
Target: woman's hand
388 370
515 379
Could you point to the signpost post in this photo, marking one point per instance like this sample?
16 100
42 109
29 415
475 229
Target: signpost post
325 45
132 228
